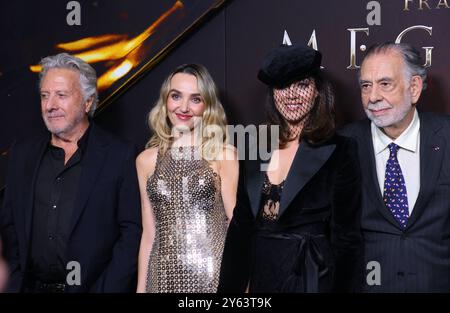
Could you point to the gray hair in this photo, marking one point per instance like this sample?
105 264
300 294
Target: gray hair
88 76
411 58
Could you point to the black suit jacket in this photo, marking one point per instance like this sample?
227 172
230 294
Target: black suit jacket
323 186
106 223
416 259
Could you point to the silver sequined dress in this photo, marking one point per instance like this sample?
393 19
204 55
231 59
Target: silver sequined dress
191 224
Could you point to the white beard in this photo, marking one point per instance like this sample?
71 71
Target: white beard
395 115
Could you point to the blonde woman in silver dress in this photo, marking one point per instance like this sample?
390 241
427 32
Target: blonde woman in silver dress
188 181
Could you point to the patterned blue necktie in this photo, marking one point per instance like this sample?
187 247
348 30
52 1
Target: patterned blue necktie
395 196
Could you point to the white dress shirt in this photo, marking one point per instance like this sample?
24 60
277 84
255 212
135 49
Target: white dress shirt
408 156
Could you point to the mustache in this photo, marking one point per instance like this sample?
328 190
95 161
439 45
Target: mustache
380 105
54 114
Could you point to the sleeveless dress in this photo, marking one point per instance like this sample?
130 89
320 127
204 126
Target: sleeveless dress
191 224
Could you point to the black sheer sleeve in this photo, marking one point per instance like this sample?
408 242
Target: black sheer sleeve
346 237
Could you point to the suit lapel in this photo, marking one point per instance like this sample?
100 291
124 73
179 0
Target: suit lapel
432 148
255 180
34 169
369 168
307 162
92 161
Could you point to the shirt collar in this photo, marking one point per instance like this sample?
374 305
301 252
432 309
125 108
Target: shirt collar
407 140
81 143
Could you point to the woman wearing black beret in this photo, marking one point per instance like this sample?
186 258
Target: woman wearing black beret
295 227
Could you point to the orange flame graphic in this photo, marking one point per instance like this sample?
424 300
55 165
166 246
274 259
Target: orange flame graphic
125 53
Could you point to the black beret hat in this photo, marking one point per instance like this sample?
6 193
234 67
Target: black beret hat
287 64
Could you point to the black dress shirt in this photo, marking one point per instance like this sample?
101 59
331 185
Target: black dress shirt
54 201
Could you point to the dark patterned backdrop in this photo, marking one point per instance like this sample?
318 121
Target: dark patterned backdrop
230 42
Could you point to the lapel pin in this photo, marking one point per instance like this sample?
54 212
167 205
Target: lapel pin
436 148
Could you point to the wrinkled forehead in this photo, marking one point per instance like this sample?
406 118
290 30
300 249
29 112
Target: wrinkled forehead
382 64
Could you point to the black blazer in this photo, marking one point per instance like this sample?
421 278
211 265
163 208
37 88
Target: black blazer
416 259
106 223
322 187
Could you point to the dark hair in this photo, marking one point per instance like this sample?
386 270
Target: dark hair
321 123
411 58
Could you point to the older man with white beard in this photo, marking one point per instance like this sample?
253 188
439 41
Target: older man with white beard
405 160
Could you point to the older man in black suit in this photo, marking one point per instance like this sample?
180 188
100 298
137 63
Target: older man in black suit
71 215
405 159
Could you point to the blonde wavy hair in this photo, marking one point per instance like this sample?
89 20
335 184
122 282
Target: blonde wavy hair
213 135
